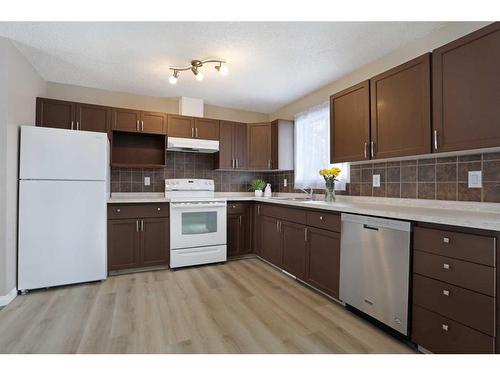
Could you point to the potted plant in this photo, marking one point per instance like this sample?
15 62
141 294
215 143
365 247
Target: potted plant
330 175
257 186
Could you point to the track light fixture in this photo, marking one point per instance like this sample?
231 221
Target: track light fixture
194 67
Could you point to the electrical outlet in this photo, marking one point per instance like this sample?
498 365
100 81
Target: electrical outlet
475 179
376 180
147 181
285 182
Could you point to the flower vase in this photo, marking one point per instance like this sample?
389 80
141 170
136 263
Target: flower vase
330 191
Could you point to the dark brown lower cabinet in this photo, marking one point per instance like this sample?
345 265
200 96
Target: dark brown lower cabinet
323 260
238 235
138 241
270 241
123 244
294 237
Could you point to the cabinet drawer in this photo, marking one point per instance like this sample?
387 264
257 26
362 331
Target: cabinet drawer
470 308
236 207
135 210
323 220
441 335
468 275
471 247
283 213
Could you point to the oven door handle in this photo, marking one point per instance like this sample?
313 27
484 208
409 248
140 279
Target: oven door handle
196 205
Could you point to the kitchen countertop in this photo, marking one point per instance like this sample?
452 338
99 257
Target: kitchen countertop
465 214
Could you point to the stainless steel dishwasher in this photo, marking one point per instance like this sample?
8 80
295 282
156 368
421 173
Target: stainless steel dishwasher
375 268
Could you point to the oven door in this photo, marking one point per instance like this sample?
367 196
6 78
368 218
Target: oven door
197 224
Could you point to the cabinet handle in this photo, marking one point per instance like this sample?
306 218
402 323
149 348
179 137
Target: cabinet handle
237 164
196 132
258 210
159 209
444 327
321 217
142 225
232 163
142 125
372 149
277 226
239 219
192 132
446 293
77 125
446 266
71 125
305 234
436 146
366 153
446 240
137 125
137 225
118 210
269 164
281 227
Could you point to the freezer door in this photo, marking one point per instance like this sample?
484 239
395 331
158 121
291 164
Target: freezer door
62 233
58 154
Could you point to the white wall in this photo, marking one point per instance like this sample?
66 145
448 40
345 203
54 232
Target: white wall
437 38
20 85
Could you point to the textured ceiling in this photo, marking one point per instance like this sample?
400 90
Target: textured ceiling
270 64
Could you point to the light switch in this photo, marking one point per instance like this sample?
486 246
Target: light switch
147 181
376 180
475 179
285 182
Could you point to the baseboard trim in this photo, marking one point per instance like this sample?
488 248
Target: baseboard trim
8 298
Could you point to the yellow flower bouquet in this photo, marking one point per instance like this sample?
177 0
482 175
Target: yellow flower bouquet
330 175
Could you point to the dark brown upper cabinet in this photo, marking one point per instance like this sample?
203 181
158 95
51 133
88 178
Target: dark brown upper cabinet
92 118
401 110
260 139
193 127
466 91
232 146
52 113
350 124
206 128
129 120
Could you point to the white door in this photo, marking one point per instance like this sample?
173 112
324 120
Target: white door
59 154
62 233
197 224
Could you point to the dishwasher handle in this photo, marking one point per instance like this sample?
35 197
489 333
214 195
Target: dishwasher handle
370 227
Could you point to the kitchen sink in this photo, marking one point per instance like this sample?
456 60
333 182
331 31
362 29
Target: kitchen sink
298 199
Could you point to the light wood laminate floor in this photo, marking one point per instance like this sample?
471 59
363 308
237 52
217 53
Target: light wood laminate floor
243 306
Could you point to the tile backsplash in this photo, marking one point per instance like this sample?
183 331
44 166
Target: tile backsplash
443 178
193 165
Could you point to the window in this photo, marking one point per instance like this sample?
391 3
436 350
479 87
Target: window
312 149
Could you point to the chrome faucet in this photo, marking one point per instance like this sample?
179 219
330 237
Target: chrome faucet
312 196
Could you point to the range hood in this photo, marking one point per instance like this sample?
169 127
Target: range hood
192 145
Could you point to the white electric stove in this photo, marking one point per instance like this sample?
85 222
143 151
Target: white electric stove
197 223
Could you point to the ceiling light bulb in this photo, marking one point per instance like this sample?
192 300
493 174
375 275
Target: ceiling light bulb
223 70
172 80
199 76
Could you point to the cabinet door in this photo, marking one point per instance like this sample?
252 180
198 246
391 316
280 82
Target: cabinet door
123 244
55 113
257 223
233 235
180 126
401 110
206 128
466 91
259 145
350 124
294 248
240 145
155 247
225 156
153 123
323 260
93 118
126 120
270 241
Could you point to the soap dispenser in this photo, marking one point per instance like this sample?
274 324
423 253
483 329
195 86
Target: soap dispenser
267 192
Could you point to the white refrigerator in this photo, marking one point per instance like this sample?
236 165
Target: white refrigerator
63 191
